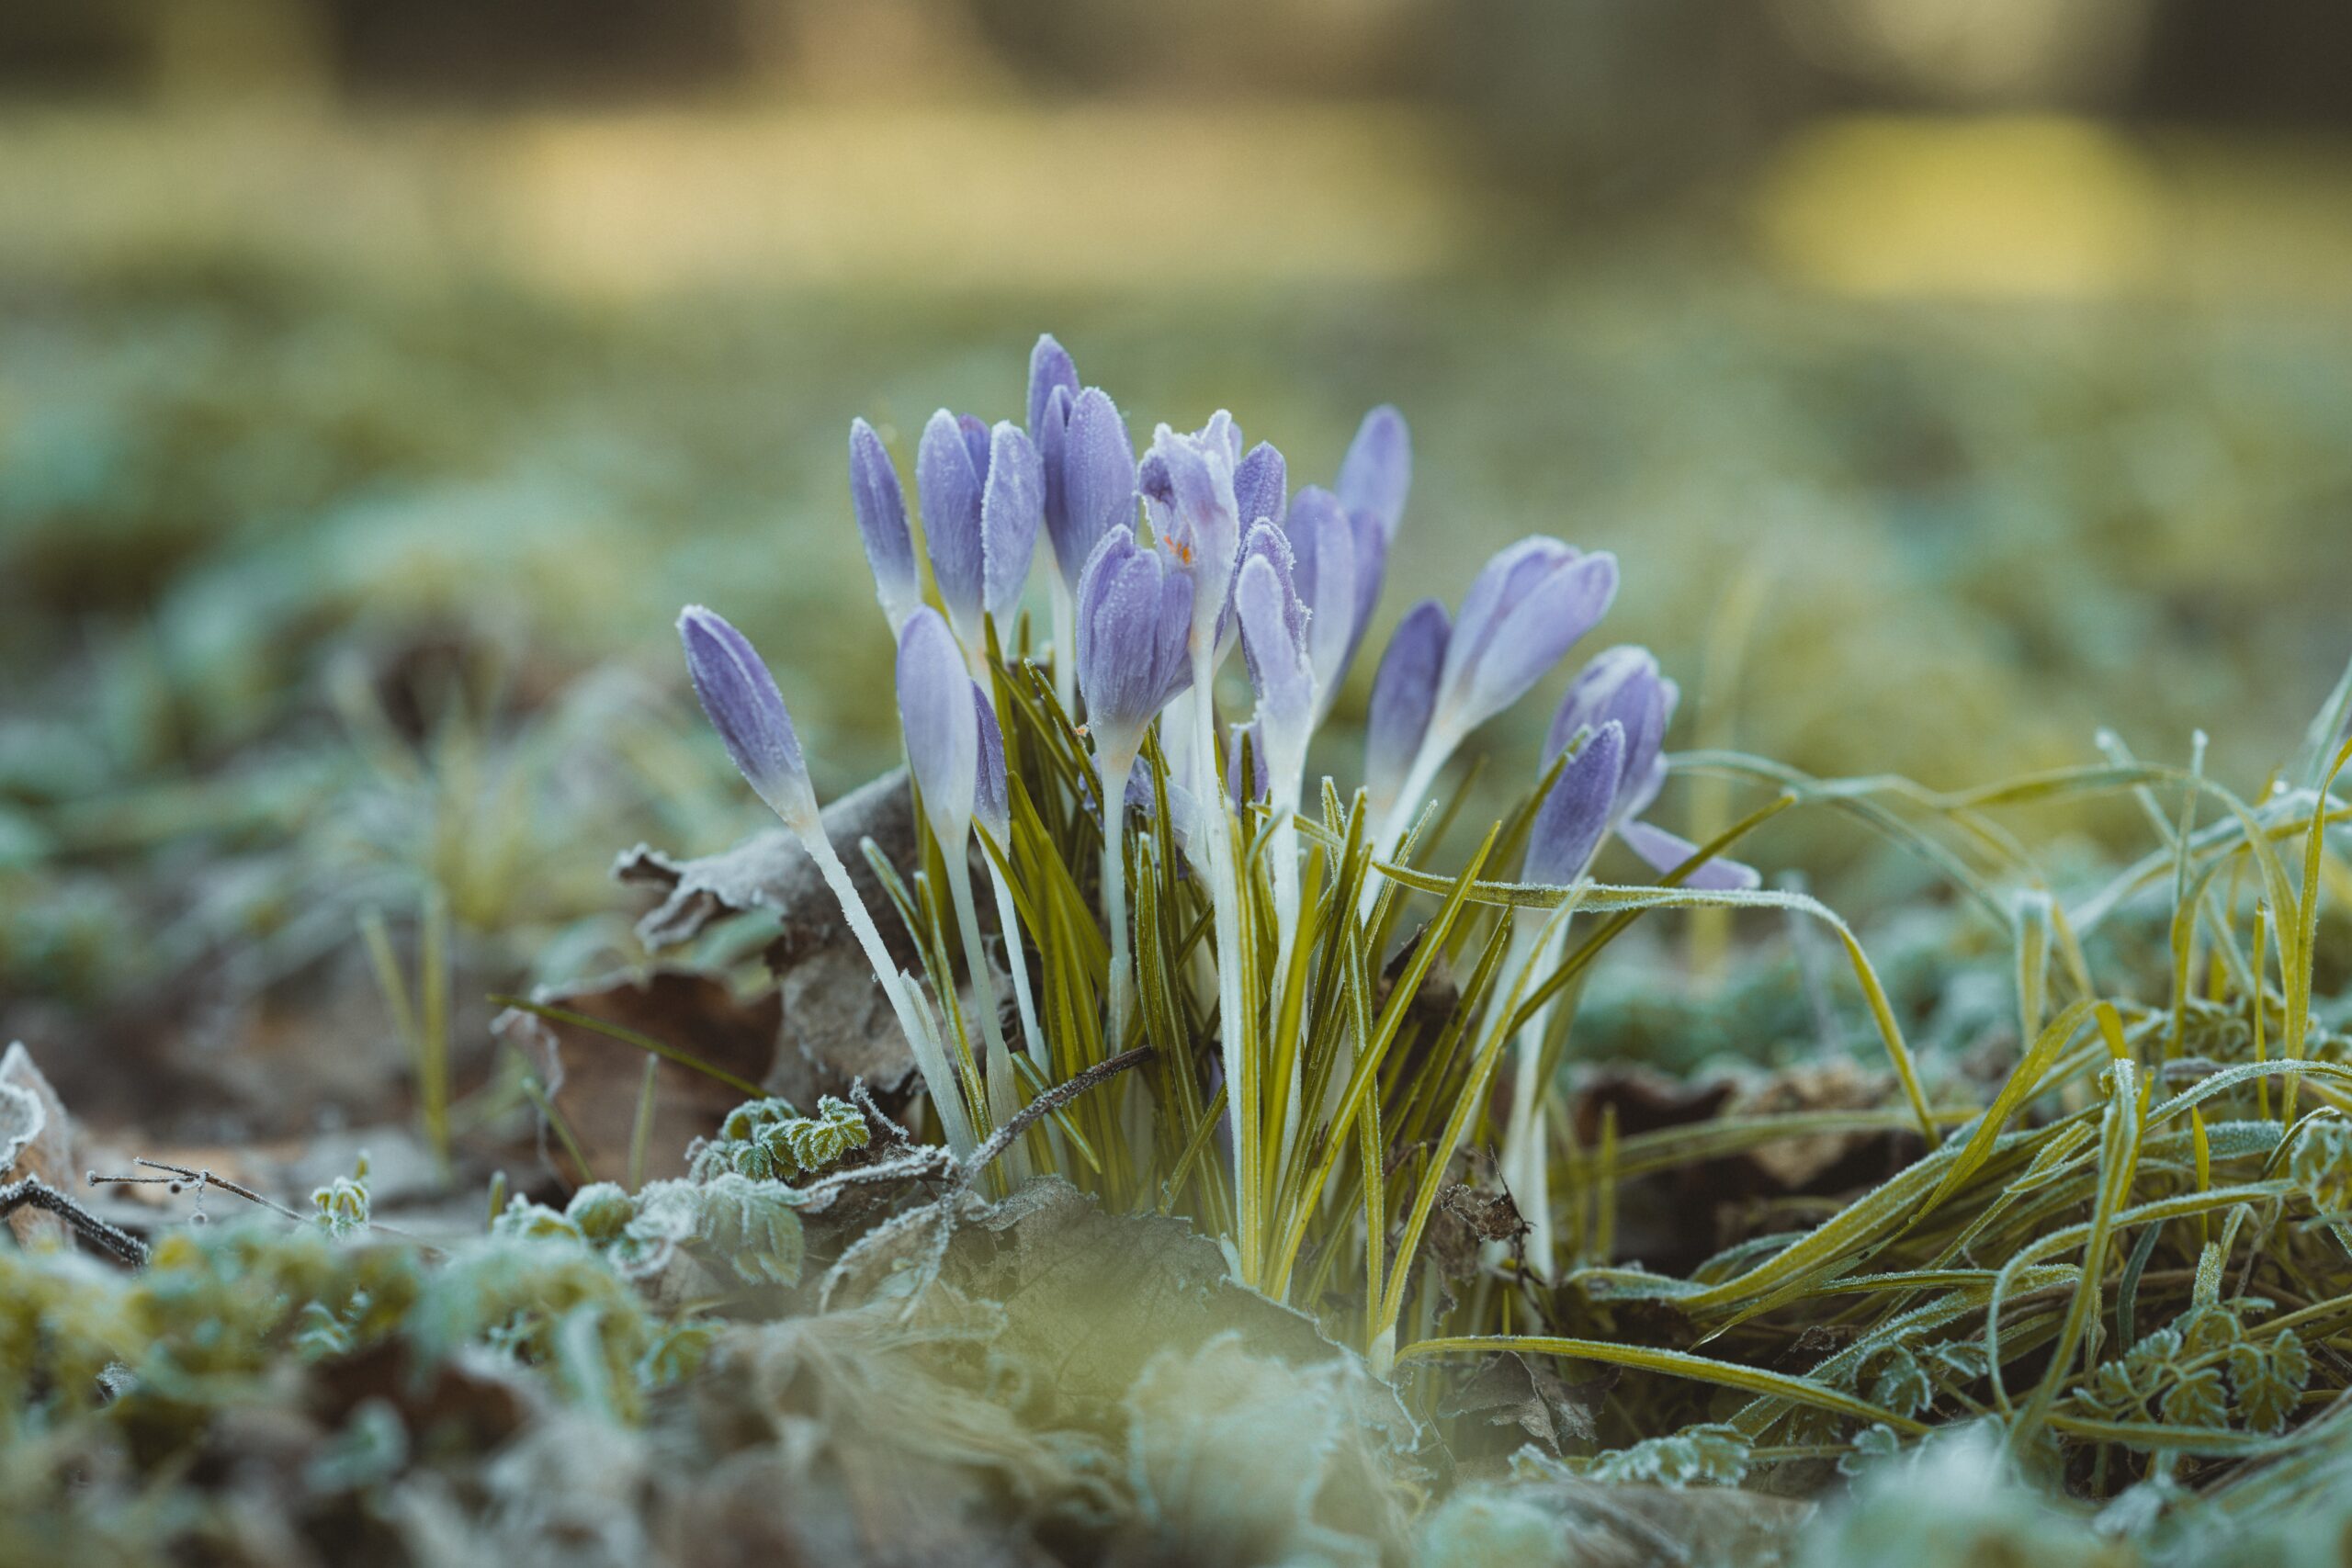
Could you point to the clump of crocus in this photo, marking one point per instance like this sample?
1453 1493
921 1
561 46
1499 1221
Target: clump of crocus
1242 927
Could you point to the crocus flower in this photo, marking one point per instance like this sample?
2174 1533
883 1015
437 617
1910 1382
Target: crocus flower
1622 683
1135 617
881 508
1624 686
1187 483
1377 472
1090 474
1275 640
1050 371
1404 693
1339 560
1577 813
740 697
983 497
943 739
1529 603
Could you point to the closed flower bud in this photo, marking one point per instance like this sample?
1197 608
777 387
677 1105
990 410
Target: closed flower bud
881 508
1532 602
935 711
740 697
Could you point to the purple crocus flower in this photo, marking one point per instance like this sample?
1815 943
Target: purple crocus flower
1135 620
1575 815
1622 683
1187 483
881 508
1340 559
740 697
1404 693
1051 370
1012 504
1377 472
983 496
1090 473
1622 686
935 710
1273 639
1529 603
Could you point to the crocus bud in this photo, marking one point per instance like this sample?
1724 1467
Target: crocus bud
935 711
1529 605
1273 639
1403 692
1622 683
1340 559
948 479
1089 478
1187 481
991 801
1013 503
1378 470
741 700
1135 622
881 509
1575 817
1665 850
1050 371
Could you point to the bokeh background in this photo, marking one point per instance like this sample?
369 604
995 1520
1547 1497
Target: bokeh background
1954 378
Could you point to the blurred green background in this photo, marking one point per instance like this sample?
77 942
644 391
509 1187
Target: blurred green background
1952 377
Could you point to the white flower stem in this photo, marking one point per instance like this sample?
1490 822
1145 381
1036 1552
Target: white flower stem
1436 748
929 1057
1225 896
1007 920
1115 762
1526 1169
1003 1092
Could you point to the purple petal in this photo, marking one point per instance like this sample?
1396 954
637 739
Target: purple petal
1050 371
1273 639
1135 618
740 697
1574 816
1665 850
1260 486
975 431
881 508
1098 479
1378 470
1622 683
935 712
1530 604
947 486
1404 693
1012 504
1325 573
1051 436
991 805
